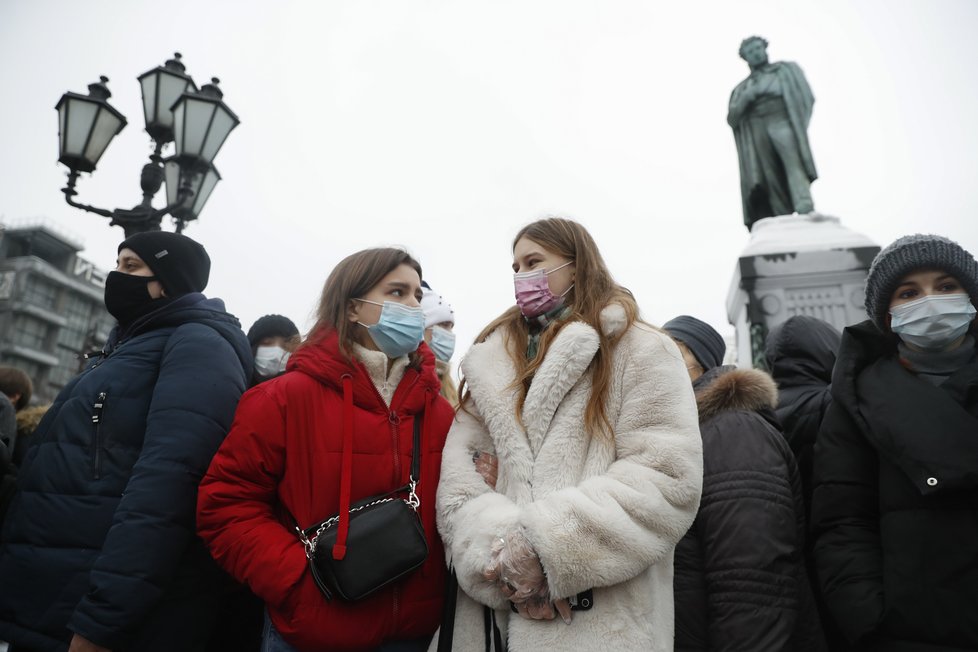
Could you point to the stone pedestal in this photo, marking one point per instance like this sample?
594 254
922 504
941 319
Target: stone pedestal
796 265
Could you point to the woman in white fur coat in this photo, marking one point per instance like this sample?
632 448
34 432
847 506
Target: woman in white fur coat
592 419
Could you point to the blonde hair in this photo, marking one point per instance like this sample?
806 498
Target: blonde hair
593 290
448 389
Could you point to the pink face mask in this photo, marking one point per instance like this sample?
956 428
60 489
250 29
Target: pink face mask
533 294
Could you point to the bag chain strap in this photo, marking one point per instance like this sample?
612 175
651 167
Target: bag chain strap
411 501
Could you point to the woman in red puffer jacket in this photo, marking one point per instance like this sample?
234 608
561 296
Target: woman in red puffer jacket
282 462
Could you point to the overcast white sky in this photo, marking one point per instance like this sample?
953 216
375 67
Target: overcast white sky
445 125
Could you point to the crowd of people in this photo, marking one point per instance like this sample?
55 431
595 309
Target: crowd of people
593 482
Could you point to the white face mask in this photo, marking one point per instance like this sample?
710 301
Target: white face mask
933 322
270 360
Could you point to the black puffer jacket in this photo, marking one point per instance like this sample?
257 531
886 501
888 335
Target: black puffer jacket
801 354
8 437
895 507
100 539
740 581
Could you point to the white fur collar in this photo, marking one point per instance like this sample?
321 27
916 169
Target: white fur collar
376 363
490 375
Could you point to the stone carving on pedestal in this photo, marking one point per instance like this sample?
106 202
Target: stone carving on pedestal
796 265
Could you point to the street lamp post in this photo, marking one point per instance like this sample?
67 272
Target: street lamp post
196 121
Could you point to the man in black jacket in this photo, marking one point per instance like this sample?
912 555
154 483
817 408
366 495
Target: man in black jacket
99 551
740 580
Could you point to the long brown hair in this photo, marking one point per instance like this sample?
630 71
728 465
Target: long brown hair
352 278
594 289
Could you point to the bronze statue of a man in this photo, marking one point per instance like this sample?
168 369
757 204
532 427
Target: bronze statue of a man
769 114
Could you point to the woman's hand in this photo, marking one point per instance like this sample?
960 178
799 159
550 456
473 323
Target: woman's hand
488 466
544 609
515 568
81 644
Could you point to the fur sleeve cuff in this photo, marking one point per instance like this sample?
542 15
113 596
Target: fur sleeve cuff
476 525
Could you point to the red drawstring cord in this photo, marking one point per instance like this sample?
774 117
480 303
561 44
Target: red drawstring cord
346 474
429 400
339 548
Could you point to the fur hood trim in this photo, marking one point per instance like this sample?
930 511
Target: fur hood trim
736 389
29 418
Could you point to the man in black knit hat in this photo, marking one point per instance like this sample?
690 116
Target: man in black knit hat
100 550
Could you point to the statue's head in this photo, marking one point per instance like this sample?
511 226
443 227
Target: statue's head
753 50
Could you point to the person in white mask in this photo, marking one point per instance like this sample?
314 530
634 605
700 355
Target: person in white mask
439 320
273 338
895 502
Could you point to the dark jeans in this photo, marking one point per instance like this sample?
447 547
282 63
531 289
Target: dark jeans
272 641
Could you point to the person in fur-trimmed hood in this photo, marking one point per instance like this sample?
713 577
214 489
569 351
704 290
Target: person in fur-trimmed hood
570 539
740 580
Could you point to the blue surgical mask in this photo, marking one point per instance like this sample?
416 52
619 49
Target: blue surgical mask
933 322
442 343
399 330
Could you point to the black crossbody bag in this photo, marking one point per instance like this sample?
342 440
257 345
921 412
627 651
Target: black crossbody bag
372 543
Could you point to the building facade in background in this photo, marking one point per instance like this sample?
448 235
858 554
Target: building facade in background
51 306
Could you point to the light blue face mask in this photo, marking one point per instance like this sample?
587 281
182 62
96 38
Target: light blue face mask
933 322
399 330
442 343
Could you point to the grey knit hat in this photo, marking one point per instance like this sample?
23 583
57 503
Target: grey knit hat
913 252
706 345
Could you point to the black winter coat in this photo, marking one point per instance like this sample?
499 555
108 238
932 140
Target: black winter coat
895 507
801 355
740 580
100 539
8 438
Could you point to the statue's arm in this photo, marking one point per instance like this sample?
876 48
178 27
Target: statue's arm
740 101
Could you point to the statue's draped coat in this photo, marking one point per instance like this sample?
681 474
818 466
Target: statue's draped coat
798 101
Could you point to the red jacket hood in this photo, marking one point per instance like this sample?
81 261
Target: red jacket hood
320 357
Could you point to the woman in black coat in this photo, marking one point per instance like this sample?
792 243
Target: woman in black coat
740 579
895 505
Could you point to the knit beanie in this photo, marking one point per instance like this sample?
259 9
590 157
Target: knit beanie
706 345
911 253
436 309
180 264
271 326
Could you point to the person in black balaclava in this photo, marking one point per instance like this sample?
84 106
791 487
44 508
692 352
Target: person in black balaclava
153 269
99 550
800 354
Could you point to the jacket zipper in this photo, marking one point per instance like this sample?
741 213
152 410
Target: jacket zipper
97 420
394 420
396 596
